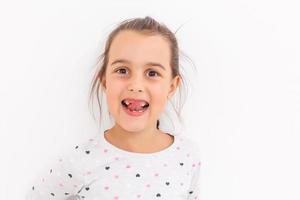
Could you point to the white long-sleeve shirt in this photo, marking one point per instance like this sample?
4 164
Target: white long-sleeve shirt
98 170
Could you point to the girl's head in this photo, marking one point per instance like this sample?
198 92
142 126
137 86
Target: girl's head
140 61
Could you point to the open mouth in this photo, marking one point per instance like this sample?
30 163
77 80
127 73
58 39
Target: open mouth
135 106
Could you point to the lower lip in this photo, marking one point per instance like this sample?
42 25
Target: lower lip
136 114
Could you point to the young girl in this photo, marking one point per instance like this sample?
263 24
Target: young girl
134 159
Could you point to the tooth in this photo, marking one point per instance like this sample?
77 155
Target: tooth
127 102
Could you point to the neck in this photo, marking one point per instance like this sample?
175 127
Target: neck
134 140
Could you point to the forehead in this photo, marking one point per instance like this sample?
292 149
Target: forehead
140 48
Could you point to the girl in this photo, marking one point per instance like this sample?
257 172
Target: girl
134 159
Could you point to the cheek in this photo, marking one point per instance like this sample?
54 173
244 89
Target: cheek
159 95
114 85
112 82
160 89
113 90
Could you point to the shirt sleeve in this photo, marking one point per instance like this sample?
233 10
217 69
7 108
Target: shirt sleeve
194 190
62 181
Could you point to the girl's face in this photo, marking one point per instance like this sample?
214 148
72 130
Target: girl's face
138 67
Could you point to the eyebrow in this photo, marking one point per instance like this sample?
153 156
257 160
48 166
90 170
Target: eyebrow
147 64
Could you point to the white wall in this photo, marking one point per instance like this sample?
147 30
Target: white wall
244 109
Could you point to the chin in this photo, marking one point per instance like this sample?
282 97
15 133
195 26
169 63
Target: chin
133 127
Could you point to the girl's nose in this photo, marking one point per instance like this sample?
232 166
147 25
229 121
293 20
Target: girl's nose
132 90
136 84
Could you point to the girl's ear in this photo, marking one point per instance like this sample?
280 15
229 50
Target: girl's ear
173 86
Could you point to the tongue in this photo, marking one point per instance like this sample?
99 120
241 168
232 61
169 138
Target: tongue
135 105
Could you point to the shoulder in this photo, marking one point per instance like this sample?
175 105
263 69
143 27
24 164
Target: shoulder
190 145
86 146
80 153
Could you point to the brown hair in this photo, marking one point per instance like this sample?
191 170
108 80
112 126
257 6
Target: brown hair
147 26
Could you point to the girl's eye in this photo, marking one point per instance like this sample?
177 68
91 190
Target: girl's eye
153 73
121 69
150 72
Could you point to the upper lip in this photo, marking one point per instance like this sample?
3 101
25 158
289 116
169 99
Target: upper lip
135 99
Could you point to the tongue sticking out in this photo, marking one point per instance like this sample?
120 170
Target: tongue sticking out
136 105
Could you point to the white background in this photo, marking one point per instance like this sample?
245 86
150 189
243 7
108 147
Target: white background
244 108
